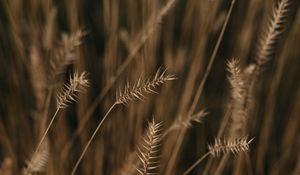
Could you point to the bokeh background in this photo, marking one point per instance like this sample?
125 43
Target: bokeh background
43 42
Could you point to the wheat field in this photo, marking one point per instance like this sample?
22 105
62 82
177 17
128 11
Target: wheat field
144 87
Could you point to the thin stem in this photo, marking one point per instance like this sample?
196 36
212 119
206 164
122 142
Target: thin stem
196 163
46 109
47 130
224 121
199 91
44 136
91 138
221 165
211 61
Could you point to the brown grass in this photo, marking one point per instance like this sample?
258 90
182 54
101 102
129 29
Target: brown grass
47 126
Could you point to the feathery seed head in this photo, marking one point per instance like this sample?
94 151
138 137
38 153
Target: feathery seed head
148 152
39 160
225 146
272 34
69 92
65 53
186 122
142 87
235 79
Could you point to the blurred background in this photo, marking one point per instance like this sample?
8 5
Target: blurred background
117 41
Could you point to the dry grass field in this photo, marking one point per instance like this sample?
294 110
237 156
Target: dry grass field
142 87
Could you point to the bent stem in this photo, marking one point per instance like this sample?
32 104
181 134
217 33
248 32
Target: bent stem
91 139
43 137
196 163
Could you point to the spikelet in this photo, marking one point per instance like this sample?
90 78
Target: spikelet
65 53
142 87
39 160
186 122
234 146
239 98
272 34
148 152
69 92
153 24
235 79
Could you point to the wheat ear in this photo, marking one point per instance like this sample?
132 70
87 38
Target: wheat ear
137 92
234 146
69 93
148 153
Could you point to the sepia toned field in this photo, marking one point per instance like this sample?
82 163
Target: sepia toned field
143 87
